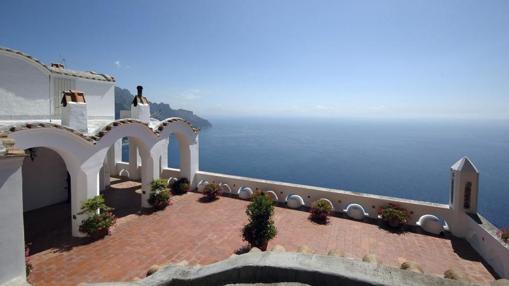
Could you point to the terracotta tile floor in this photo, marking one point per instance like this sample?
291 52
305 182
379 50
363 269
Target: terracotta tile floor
203 233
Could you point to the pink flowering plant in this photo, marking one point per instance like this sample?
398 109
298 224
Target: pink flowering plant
100 217
320 211
212 191
394 215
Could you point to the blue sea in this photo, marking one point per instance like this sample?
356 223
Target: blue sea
400 158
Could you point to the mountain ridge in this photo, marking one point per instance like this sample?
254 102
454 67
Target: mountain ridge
158 110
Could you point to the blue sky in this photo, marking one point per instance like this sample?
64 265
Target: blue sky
286 58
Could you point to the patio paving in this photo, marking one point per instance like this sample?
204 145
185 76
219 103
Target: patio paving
203 233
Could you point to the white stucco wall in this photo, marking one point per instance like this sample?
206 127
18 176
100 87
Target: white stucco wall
100 97
74 115
12 244
24 89
44 180
483 238
340 199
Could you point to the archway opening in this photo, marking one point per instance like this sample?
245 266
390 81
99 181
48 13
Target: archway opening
46 200
120 176
174 152
125 149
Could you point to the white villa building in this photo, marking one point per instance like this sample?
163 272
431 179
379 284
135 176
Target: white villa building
59 141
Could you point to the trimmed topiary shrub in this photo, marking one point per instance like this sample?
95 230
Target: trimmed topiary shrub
320 211
212 191
394 215
159 194
100 217
260 228
180 186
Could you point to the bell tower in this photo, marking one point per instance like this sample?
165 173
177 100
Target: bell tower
464 186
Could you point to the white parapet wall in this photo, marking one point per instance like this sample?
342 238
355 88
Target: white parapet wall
340 199
483 237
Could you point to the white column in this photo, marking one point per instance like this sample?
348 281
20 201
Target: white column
84 185
114 156
149 172
189 161
12 245
134 160
164 156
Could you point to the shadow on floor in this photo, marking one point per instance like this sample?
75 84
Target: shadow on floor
467 252
50 227
124 196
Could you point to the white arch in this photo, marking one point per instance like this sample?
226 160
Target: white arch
72 148
135 129
181 128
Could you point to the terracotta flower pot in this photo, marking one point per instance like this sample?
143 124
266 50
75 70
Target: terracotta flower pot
99 234
394 223
160 206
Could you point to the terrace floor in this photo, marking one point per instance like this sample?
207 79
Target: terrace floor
203 233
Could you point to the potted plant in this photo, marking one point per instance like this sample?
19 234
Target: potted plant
159 194
211 191
100 217
180 186
320 211
394 215
260 228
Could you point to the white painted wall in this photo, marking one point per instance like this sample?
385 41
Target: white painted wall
24 88
28 90
339 198
44 180
141 112
483 238
100 97
12 244
74 115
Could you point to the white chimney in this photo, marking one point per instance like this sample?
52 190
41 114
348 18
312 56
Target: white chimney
74 110
140 108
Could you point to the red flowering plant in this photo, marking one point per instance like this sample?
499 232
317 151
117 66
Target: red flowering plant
320 211
394 215
212 191
100 217
504 235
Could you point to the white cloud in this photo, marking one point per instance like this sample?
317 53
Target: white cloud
322 107
191 94
376 108
120 65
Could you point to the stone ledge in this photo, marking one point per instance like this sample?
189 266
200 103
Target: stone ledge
279 267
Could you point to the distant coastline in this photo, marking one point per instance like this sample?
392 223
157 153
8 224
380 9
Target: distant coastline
161 111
